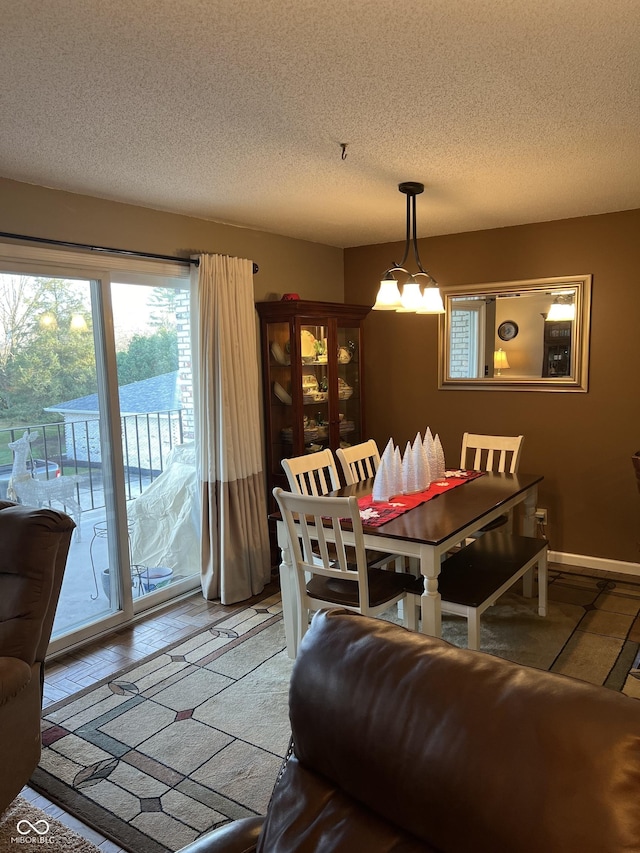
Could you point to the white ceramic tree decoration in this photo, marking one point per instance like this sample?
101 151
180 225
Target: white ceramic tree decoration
421 464
430 450
397 472
439 455
383 482
407 471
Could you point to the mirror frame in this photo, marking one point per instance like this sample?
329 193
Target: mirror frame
578 381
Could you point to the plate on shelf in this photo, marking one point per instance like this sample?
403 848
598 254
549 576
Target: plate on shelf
307 345
309 434
278 353
344 355
309 383
344 389
281 394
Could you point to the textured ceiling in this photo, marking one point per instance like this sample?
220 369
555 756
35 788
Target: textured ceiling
509 111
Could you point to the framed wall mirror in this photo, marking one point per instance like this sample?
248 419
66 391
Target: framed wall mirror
516 335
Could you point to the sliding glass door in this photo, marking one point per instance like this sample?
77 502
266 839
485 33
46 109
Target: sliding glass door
96 418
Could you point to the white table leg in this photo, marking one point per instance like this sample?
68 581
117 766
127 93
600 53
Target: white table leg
430 599
529 515
529 529
287 591
543 581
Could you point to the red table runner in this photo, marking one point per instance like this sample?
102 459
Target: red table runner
375 513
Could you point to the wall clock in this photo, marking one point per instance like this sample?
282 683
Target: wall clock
507 330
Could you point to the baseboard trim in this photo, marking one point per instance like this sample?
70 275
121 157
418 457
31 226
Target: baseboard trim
601 563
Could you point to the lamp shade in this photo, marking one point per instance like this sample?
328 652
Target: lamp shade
431 302
411 298
388 298
500 361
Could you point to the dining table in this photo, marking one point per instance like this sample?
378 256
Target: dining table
424 534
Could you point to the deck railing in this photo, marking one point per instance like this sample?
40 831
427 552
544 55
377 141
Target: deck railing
75 448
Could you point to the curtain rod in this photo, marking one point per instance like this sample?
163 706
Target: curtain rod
106 250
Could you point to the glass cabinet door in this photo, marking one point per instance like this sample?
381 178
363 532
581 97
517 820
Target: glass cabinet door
279 411
315 340
348 381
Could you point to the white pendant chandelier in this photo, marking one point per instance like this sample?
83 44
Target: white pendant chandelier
412 300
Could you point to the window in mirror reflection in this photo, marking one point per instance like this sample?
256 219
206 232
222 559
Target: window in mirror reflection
517 332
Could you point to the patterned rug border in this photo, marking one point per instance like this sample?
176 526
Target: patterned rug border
55 706
96 815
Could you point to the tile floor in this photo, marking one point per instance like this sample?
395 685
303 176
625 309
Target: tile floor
73 672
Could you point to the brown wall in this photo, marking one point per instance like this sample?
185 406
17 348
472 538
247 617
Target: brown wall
582 443
286 265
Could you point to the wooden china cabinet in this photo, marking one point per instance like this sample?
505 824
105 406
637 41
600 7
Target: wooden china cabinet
312 362
556 360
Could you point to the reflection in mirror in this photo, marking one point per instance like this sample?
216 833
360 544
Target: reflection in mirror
522 335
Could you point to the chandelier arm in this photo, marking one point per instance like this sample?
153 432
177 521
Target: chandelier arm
408 233
397 268
432 282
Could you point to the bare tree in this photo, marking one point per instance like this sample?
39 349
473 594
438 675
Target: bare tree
20 300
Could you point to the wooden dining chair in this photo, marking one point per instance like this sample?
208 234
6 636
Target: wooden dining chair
491 452
329 573
313 473
499 453
359 462
317 474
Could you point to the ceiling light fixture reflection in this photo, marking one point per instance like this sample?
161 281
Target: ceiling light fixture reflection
78 323
563 308
412 299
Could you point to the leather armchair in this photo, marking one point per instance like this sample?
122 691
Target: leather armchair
34 544
406 743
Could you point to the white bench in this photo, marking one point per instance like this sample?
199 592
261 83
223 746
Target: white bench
473 578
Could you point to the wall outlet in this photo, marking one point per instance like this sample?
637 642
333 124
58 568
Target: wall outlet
541 516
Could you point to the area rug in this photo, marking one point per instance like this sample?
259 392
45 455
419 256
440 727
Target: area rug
194 736
25 824
188 739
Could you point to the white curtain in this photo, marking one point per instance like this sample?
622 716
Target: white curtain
235 558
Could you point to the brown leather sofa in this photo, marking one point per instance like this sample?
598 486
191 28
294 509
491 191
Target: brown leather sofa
33 551
405 743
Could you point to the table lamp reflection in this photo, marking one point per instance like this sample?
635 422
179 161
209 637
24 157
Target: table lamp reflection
500 361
